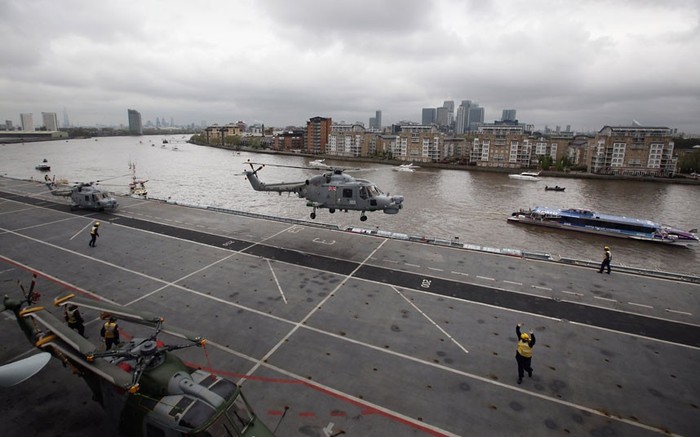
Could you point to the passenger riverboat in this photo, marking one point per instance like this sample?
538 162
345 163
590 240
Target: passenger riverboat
583 220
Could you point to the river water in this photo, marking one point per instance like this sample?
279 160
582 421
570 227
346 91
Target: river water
470 205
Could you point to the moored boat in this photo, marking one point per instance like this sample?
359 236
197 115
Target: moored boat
526 176
583 220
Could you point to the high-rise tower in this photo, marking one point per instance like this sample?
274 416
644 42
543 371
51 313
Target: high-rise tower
135 125
50 121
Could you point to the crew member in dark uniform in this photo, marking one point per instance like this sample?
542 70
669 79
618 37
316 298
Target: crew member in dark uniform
110 332
523 354
606 261
74 319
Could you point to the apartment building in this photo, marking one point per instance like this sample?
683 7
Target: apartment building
290 140
633 151
318 130
216 134
348 140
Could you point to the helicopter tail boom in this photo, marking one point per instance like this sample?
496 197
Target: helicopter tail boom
283 187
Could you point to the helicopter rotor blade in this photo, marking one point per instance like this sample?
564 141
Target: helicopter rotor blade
19 371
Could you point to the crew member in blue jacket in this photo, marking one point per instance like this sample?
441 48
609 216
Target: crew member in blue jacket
523 354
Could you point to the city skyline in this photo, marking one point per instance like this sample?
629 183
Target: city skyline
586 64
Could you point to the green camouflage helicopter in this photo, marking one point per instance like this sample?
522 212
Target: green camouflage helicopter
152 391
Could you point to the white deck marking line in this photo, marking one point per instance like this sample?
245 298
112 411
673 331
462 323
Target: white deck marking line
80 231
640 305
429 319
511 282
303 321
435 269
486 278
390 261
279 287
679 312
412 265
604 298
16 210
572 292
460 273
541 288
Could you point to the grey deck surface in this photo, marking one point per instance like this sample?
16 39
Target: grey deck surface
354 333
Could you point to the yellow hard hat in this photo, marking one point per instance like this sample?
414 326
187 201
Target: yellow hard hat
97 223
524 336
607 248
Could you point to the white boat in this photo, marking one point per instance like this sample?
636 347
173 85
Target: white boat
44 166
526 176
406 167
318 163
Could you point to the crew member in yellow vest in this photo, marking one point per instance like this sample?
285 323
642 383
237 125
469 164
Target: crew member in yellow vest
523 354
74 319
94 234
110 332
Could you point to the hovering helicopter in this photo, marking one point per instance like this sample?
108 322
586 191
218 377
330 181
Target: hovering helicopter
151 391
333 190
84 195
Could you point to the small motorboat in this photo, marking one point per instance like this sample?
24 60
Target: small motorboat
406 167
554 188
44 166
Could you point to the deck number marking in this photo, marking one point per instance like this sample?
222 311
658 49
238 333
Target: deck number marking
294 229
425 283
319 241
228 243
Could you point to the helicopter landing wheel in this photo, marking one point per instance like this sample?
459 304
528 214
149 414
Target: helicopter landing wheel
313 215
363 218
331 210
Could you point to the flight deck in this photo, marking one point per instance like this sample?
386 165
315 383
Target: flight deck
333 332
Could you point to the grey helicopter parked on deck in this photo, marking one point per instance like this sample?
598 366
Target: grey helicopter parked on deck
333 190
85 195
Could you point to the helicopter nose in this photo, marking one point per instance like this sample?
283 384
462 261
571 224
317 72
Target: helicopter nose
397 199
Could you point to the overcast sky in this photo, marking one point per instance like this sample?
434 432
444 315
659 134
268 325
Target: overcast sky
582 63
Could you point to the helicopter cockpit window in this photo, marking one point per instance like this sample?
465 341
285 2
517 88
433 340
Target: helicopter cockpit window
196 415
94 198
374 191
363 192
87 198
347 192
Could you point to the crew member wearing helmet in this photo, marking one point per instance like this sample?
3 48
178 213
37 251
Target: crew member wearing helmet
523 354
606 261
94 234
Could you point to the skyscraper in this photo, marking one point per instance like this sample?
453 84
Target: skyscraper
469 116
375 123
135 125
50 121
66 122
508 115
27 122
428 116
